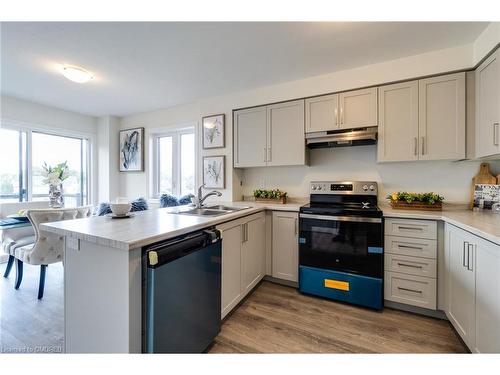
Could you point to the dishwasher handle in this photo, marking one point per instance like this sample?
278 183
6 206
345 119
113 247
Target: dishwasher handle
168 251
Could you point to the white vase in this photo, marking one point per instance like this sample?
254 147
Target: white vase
56 198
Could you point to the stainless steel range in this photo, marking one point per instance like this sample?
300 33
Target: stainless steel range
341 243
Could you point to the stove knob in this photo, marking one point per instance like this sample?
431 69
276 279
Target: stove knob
365 187
319 187
372 188
314 187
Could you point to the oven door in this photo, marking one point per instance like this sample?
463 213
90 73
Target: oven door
342 243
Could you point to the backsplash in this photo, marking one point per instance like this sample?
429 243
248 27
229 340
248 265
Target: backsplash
448 178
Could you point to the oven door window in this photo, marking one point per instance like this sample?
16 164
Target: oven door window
354 247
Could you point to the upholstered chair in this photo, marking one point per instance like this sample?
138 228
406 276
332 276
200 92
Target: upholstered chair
48 247
12 238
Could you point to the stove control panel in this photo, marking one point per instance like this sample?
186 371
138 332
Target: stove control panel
344 187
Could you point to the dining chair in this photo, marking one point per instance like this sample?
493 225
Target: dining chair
48 247
17 237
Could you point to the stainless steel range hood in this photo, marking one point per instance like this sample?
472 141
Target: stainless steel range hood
342 138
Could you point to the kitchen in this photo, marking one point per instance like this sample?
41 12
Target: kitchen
338 144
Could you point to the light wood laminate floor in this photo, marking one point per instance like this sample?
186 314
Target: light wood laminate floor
273 319
278 319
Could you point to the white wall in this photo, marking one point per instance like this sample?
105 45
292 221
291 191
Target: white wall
451 179
24 112
136 184
108 178
486 41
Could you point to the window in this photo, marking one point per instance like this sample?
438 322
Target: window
174 163
22 155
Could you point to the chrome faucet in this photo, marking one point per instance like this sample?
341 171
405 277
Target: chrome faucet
198 201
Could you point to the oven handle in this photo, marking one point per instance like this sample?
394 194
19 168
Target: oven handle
342 218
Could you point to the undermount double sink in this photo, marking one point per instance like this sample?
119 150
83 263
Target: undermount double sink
214 210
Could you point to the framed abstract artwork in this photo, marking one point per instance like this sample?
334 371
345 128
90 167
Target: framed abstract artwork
213 128
213 172
132 150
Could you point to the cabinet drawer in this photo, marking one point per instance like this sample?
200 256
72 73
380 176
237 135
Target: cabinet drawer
411 290
410 265
411 228
411 246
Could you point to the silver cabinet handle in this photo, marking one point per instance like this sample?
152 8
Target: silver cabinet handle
463 253
265 154
296 226
410 290
269 154
423 145
495 134
410 247
470 265
415 143
341 115
409 265
336 117
409 228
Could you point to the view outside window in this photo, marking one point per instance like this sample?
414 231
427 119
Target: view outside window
52 149
12 165
187 163
176 163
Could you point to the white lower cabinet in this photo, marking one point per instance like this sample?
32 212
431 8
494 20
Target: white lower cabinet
286 245
473 289
243 258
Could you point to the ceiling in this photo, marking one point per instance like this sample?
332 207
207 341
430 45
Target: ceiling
145 66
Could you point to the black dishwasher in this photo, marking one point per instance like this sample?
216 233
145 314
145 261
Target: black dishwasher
182 293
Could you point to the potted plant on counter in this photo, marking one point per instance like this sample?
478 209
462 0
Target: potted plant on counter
270 196
416 201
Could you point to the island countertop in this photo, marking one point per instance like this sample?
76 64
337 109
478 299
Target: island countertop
147 227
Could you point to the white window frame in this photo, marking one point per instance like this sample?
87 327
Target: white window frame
176 159
29 129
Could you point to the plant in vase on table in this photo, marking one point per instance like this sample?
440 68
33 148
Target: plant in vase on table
275 195
54 177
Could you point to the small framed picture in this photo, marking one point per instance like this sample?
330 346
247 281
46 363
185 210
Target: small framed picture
131 148
213 131
214 172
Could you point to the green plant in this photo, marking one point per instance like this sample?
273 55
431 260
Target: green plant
55 175
426 198
269 194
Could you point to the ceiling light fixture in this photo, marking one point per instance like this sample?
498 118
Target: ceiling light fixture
76 74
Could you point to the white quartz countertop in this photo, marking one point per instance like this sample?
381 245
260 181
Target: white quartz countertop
147 227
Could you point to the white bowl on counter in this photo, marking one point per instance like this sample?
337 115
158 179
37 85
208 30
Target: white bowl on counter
120 209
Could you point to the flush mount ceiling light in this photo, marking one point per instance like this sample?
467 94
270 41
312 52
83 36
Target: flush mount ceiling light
76 74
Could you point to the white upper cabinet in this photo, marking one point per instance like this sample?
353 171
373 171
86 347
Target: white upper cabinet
423 120
398 122
285 137
270 135
358 109
441 122
322 113
347 110
488 107
250 143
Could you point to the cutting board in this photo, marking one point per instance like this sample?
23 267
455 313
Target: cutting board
483 177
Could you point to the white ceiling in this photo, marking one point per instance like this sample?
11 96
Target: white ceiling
146 66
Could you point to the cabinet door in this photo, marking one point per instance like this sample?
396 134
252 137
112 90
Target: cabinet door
250 137
487 297
253 253
442 117
358 109
231 267
285 245
488 107
286 138
398 123
322 113
461 283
